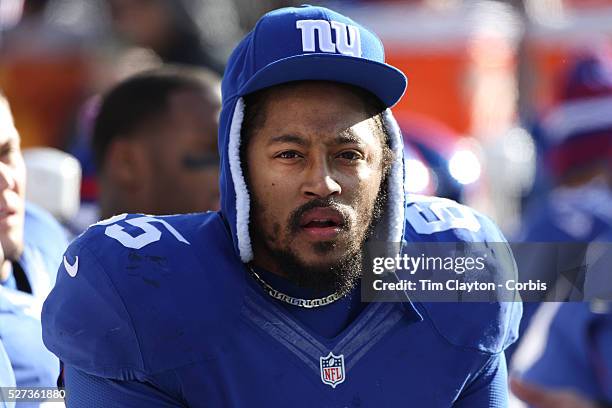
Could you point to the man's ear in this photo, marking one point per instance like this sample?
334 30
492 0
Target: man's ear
126 163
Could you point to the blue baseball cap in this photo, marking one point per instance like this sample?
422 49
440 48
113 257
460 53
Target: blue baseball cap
311 43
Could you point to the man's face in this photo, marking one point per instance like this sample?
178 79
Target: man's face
184 175
12 189
315 170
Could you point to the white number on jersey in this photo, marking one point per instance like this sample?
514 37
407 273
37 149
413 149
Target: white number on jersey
150 234
448 214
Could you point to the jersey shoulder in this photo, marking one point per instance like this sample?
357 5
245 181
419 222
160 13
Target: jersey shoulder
436 225
136 293
436 219
488 327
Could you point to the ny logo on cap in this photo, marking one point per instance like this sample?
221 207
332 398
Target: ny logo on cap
347 42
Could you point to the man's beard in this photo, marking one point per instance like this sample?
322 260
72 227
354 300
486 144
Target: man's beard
339 277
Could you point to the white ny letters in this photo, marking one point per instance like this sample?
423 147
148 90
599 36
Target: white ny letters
348 41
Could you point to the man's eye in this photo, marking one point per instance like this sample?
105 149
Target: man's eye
350 155
290 154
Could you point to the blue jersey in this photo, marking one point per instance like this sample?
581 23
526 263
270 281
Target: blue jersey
164 306
20 325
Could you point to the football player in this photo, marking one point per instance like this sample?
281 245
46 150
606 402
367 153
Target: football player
31 245
259 304
155 145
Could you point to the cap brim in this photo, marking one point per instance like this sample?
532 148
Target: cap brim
384 81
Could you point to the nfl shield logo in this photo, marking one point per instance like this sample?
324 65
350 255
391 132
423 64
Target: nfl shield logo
332 369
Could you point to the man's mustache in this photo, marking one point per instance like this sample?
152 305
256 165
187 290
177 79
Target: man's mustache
298 213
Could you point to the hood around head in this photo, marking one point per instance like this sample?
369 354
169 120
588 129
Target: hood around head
295 44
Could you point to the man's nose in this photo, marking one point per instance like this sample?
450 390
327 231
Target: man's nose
320 181
7 181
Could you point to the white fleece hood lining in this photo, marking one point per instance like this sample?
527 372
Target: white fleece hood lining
393 218
243 201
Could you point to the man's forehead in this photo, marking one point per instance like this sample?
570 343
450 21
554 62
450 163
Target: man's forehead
337 112
359 133
309 97
311 94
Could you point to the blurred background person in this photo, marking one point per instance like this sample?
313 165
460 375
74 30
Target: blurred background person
559 225
155 143
577 157
166 27
32 244
568 346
